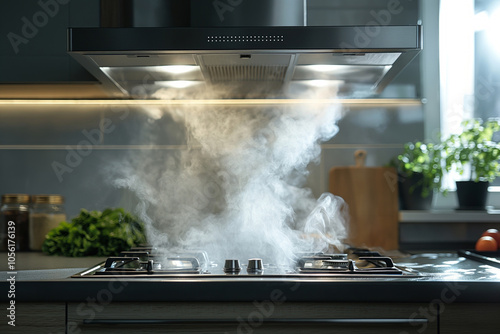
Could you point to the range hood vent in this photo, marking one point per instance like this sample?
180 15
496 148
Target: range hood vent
245 67
228 73
244 61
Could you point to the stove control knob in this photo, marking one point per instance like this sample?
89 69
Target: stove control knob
232 266
149 266
350 266
255 266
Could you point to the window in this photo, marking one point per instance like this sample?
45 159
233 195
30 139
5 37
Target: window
469 48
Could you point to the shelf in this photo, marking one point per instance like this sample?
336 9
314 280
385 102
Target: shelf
449 216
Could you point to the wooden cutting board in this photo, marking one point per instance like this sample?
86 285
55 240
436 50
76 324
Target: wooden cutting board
372 196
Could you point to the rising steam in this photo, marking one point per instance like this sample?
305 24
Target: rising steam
238 190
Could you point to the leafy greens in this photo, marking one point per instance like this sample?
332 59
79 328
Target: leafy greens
95 233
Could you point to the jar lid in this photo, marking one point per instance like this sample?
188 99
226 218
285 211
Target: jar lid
15 198
47 199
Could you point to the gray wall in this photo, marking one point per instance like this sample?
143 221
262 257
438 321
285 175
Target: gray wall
68 149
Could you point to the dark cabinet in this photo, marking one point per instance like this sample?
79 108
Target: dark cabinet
470 318
33 318
257 317
33 44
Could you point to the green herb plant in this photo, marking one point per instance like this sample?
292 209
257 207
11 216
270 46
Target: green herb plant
474 151
423 159
95 233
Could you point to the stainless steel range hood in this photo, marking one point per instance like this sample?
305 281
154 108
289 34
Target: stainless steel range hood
244 62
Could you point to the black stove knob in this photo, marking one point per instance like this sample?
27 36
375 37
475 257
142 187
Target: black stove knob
150 266
232 266
255 266
350 266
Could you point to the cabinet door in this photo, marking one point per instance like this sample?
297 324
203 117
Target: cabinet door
34 318
470 318
35 45
257 317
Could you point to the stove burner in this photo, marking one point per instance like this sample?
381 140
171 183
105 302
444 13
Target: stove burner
142 262
339 263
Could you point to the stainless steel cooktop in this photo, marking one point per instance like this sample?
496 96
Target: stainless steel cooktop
144 262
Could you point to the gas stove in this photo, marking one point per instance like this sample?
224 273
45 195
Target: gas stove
147 262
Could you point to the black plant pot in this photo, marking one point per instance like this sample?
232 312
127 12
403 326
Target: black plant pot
472 195
410 193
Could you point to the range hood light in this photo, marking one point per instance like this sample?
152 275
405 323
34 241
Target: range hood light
180 84
178 69
106 69
171 69
324 68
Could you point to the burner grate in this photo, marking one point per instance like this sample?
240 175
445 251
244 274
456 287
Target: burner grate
340 264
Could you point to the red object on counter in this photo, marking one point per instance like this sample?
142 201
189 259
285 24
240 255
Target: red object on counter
494 233
486 244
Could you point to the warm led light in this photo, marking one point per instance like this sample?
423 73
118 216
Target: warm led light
324 68
172 69
406 102
178 69
177 83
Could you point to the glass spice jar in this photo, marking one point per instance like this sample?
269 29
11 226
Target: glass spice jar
47 212
14 221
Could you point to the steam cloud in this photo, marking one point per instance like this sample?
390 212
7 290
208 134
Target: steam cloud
238 190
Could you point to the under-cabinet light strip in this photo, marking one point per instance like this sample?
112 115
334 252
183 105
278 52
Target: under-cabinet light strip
94 147
179 147
377 102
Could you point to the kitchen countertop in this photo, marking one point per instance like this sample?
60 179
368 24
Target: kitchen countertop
39 260
449 275
450 216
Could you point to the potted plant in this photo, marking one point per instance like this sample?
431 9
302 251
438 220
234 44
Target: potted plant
473 154
419 175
